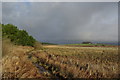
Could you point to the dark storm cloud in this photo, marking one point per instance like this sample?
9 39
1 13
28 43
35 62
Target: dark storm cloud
65 21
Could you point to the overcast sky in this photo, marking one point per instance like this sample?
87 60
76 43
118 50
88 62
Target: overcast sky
89 21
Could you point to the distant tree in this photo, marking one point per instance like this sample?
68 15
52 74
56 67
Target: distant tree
86 42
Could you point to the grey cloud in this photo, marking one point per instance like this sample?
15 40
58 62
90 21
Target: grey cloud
0 12
65 21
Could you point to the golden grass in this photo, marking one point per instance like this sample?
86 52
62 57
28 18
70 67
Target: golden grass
81 62
67 62
7 46
15 63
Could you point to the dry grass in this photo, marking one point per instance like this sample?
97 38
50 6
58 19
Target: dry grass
15 63
61 61
80 62
7 47
38 45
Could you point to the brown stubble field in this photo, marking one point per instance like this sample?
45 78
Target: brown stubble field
59 61
78 62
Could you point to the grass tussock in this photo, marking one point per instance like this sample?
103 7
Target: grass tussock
38 45
7 47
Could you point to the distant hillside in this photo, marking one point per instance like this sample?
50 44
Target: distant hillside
19 37
45 43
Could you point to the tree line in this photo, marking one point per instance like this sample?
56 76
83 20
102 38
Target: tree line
19 37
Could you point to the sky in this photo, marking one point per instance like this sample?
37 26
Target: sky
0 12
59 0
60 21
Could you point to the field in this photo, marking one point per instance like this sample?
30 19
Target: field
76 62
90 45
59 61
15 62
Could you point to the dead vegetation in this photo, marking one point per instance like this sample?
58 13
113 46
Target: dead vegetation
59 62
79 62
15 63
6 47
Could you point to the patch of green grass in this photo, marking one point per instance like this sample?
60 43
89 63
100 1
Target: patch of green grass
88 45
45 43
